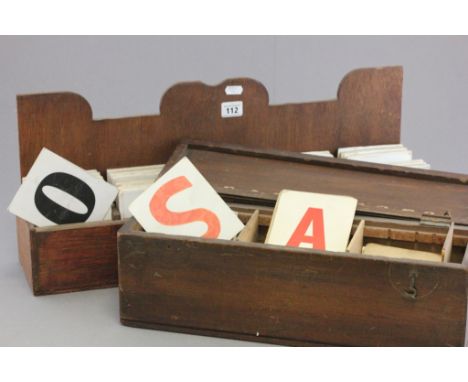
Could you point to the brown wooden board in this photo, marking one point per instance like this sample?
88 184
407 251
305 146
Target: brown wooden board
72 258
297 296
240 173
367 111
286 295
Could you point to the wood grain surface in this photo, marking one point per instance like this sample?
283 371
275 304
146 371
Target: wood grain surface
367 111
241 173
67 260
281 295
25 252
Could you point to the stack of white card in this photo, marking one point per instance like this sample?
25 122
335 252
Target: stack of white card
323 153
131 182
397 155
97 175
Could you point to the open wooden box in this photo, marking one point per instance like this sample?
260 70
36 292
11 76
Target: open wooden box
298 296
77 257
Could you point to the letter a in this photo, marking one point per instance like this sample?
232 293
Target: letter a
314 217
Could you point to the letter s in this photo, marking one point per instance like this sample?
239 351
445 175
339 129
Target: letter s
164 216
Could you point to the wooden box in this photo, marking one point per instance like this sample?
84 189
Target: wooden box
286 295
83 256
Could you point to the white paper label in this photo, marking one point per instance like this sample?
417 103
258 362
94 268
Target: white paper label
232 109
234 90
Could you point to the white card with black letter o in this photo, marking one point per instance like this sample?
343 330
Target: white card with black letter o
182 202
56 191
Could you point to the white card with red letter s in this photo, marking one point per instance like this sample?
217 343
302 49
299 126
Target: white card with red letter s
311 220
182 202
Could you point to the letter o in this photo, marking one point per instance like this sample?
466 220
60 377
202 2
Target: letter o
71 185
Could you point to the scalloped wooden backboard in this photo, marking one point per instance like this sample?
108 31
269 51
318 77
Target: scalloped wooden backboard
367 111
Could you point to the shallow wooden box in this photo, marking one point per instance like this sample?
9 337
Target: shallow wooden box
83 256
296 296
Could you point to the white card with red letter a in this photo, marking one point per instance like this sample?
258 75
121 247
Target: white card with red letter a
182 202
310 220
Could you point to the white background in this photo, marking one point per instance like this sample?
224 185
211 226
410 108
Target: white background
124 77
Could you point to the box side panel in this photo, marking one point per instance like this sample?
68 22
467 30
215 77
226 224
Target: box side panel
77 259
367 111
466 316
220 334
25 249
289 295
